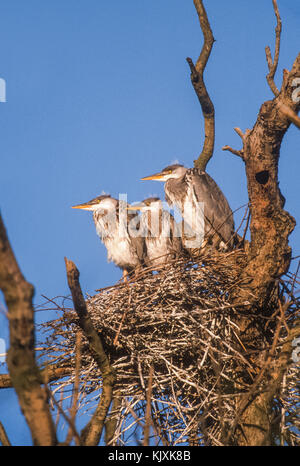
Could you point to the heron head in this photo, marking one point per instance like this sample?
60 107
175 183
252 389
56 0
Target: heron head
171 171
149 204
103 202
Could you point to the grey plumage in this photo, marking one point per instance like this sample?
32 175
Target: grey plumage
185 189
112 225
159 229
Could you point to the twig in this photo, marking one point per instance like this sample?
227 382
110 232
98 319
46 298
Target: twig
112 421
246 227
123 316
272 64
239 153
239 132
64 415
243 219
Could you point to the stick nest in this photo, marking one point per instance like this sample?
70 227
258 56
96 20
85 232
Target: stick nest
177 335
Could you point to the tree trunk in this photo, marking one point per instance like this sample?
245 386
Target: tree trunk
269 253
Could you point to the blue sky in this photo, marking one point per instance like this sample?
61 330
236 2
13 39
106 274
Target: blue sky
99 95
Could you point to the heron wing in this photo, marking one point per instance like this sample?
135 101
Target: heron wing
138 242
175 238
175 191
217 212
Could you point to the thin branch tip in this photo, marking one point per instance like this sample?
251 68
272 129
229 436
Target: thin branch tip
239 132
272 64
239 153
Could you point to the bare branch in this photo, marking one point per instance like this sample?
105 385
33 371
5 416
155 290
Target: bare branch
289 113
65 416
272 64
24 372
148 408
112 421
91 434
49 374
239 153
74 407
3 437
200 88
239 132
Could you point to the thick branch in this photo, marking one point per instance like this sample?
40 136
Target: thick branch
200 88
92 432
21 363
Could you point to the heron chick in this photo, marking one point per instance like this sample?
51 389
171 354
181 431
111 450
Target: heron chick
202 204
158 227
112 225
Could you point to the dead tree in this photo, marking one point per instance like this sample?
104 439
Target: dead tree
202 351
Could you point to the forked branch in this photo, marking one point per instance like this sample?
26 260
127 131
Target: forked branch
272 64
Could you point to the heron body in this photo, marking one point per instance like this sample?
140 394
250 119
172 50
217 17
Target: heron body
112 226
159 229
201 202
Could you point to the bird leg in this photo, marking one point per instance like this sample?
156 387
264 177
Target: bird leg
125 276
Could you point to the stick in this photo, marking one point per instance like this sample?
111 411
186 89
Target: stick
92 432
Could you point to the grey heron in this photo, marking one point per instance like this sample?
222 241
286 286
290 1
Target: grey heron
112 225
159 229
193 191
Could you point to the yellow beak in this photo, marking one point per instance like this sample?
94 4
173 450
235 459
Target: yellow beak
82 206
156 176
135 207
